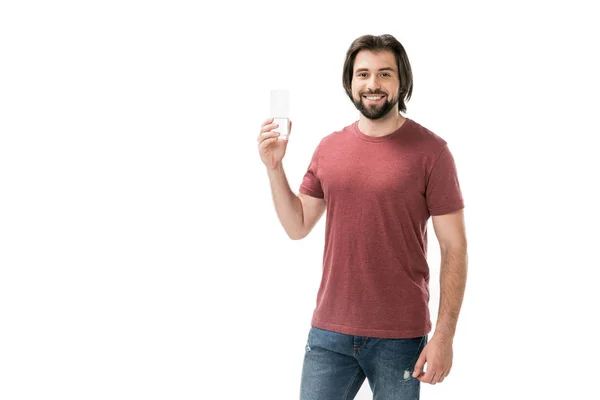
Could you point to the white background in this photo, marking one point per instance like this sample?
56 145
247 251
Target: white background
140 253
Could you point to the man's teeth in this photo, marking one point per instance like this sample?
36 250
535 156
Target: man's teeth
373 97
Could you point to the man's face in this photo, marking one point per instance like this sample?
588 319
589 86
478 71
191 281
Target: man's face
375 83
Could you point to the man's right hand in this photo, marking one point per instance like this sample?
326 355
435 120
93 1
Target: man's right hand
271 149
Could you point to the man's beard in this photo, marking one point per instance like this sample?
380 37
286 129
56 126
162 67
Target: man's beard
374 111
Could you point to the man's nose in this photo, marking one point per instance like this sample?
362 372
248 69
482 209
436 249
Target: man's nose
373 83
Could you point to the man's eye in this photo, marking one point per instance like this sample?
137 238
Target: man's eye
385 73
363 74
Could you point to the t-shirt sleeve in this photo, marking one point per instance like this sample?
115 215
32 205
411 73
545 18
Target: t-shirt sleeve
311 185
443 192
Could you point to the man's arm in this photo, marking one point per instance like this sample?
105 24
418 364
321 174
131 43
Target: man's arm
451 235
450 231
298 214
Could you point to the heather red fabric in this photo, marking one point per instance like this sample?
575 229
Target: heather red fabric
380 193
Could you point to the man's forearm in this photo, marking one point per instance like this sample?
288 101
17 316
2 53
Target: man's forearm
453 279
287 204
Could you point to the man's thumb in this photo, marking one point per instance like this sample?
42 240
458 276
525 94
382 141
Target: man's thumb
419 365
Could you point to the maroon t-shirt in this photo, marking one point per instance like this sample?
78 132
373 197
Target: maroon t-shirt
380 193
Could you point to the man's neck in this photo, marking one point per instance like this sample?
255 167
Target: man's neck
381 127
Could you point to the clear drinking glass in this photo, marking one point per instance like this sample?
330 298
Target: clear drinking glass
280 111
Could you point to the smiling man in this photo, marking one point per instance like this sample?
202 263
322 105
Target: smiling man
379 179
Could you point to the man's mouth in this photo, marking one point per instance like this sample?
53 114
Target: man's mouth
373 98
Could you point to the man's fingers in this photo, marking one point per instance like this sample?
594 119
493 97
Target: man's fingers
426 377
267 121
267 129
267 135
266 142
443 376
438 377
432 377
419 365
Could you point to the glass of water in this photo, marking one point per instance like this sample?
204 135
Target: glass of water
280 111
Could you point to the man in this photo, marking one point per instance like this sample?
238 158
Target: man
380 179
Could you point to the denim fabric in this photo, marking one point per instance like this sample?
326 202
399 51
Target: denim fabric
336 365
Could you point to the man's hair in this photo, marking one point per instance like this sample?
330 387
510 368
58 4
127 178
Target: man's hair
377 44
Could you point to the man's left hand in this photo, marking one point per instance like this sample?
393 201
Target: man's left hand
438 356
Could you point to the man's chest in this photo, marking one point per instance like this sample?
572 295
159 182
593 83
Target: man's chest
359 173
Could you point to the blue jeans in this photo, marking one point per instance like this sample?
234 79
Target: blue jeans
336 365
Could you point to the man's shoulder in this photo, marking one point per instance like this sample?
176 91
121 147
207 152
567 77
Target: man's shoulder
336 136
426 135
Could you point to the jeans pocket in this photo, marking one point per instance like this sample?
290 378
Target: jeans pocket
422 344
396 349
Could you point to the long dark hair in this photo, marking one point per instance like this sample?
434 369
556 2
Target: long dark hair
376 44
